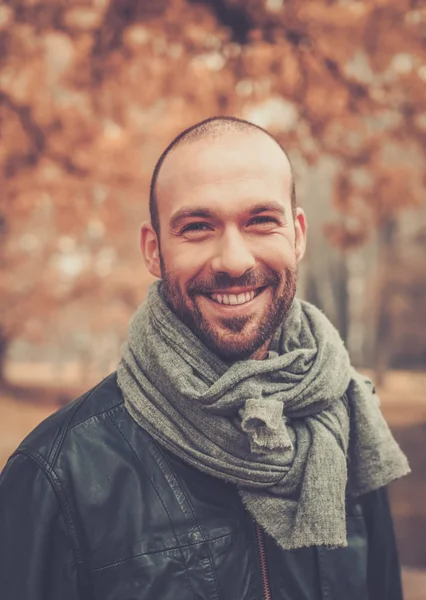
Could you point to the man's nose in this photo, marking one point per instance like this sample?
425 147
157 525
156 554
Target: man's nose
233 256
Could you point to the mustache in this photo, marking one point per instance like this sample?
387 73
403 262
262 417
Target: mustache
224 281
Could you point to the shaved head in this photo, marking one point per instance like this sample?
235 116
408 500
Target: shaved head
210 129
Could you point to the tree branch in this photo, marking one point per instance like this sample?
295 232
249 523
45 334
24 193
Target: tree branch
38 144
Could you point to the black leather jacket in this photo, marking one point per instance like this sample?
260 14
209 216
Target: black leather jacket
92 508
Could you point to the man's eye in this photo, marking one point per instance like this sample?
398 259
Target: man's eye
195 227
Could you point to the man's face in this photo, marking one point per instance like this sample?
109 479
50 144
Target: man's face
230 245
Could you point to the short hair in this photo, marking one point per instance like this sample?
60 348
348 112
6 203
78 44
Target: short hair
212 128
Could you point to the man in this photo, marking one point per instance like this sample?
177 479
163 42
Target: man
235 455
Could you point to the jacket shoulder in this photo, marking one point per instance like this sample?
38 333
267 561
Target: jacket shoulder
48 438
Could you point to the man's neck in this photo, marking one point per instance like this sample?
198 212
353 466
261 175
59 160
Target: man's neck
262 352
259 354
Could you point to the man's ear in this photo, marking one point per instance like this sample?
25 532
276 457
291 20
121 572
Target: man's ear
150 249
301 227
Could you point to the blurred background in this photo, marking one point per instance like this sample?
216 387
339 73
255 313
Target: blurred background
92 91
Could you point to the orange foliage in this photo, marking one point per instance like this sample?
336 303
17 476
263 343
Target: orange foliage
91 93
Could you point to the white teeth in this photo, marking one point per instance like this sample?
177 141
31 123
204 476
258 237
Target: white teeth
233 298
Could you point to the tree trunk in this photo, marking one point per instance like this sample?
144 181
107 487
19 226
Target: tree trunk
4 346
340 285
383 345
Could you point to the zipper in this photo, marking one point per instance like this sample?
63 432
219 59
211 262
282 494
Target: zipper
263 564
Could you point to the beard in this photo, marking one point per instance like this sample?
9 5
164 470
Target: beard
231 339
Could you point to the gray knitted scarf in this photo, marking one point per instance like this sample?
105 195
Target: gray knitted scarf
295 432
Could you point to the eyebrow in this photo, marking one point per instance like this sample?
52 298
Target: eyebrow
190 212
270 206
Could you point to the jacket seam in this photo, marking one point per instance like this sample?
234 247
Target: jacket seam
160 450
60 437
65 427
194 516
159 497
104 411
156 552
325 588
58 441
150 479
62 500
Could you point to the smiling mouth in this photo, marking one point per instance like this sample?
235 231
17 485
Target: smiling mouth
235 299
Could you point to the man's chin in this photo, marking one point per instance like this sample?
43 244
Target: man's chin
231 338
230 346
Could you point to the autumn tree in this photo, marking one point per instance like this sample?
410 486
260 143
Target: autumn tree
92 91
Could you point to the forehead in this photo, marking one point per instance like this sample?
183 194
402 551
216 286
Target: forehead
224 173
